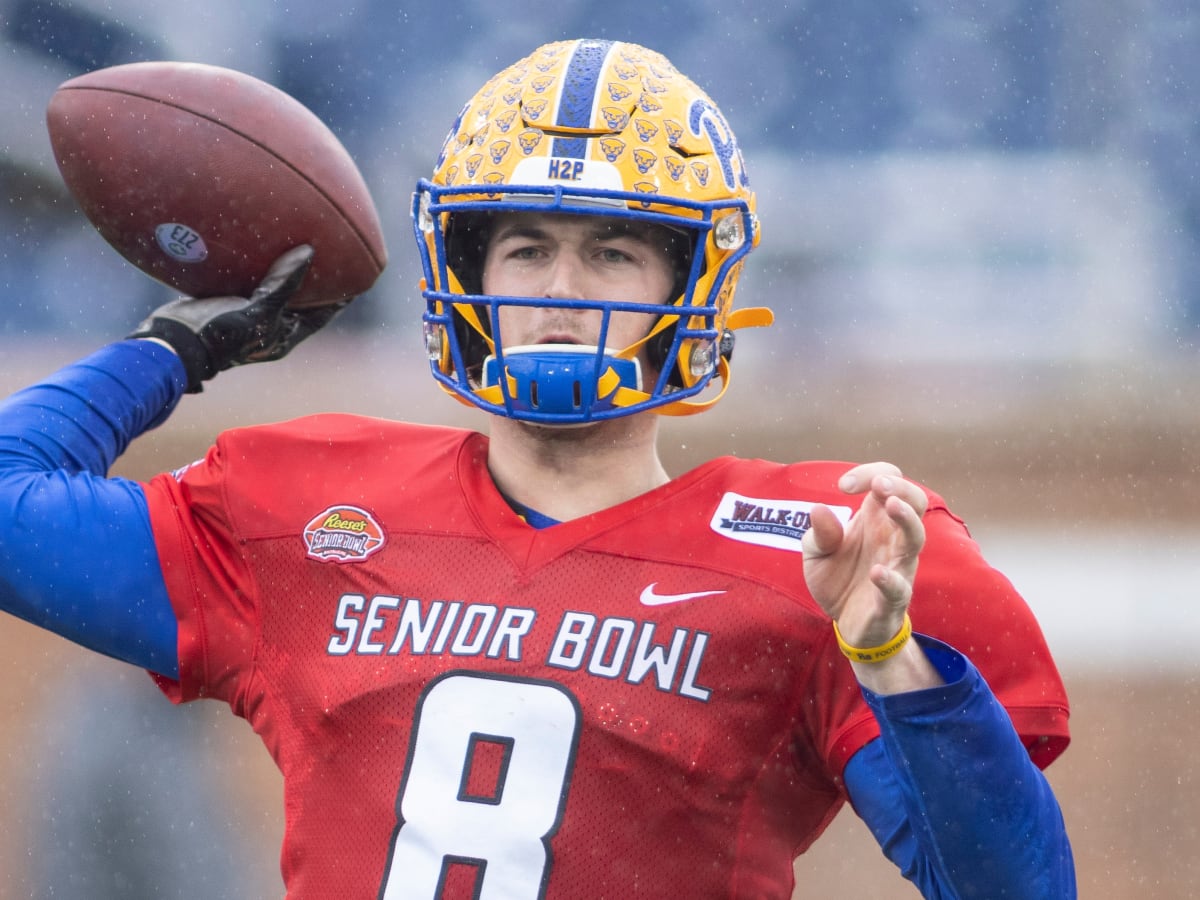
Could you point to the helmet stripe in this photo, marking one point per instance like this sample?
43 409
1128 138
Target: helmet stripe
580 83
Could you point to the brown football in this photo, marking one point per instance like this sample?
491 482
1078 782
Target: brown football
201 176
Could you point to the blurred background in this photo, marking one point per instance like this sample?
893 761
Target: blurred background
982 242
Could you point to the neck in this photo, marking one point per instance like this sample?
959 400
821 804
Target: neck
566 473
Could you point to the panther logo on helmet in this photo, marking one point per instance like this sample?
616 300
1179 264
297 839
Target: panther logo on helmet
644 160
618 92
612 147
616 119
645 187
625 72
505 121
497 150
529 140
648 104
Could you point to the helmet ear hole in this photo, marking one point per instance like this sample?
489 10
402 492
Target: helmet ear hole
473 346
466 241
681 248
658 349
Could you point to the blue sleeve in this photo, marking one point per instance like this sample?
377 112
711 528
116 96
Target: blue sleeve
952 797
77 555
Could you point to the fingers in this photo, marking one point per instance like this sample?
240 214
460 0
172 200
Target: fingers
266 311
884 480
858 479
294 326
902 501
315 318
906 516
896 506
894 586
284 277
824 534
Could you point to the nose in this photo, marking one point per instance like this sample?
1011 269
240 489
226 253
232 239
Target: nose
564 278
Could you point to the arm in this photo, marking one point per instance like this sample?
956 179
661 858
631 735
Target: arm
951 795
77 552
949 791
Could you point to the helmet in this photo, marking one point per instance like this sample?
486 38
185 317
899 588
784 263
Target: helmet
587 127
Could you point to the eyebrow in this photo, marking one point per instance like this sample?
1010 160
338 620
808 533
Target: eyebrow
520 230
599 231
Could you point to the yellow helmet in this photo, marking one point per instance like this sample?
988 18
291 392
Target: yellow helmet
587 127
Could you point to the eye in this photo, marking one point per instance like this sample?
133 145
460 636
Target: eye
612 254
522 252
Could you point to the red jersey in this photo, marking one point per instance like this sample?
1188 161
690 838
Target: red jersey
642 702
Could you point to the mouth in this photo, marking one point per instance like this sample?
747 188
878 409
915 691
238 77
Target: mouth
558 338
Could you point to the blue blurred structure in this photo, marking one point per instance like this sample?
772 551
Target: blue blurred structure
129 803
1090 111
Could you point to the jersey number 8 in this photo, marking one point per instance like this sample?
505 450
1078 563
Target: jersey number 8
485 786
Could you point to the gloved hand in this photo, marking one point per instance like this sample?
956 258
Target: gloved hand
212 334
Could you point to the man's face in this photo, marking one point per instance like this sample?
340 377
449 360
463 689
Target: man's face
549 255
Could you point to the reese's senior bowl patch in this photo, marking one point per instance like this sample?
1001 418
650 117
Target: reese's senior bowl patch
342 534
769 523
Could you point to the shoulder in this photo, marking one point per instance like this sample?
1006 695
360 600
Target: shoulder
754 508
333 442
256 473
812 480
341 429
744 516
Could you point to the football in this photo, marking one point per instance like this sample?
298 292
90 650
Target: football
201 176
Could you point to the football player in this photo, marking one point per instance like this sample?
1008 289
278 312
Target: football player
532 663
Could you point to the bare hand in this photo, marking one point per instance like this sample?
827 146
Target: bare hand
862 575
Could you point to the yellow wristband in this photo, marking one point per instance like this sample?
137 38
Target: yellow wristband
876 654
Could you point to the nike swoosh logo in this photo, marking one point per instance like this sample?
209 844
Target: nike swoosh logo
650 598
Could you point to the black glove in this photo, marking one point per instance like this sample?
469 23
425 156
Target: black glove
213 334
